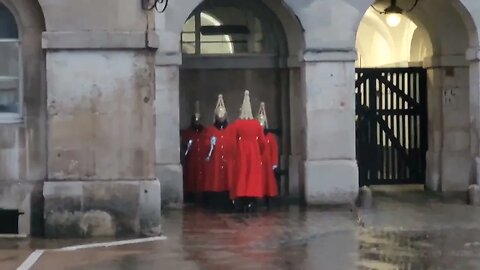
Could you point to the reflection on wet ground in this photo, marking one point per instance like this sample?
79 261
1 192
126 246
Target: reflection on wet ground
409 231
446 249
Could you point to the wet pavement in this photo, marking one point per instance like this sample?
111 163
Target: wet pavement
404 230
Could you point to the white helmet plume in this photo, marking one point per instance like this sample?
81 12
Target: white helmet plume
220 109
246 109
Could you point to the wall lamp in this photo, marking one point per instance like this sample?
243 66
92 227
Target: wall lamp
394 13
158 5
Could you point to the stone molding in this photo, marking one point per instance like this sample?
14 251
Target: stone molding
100 40
473 54
445 61
224 61
168 58
329 55
232 61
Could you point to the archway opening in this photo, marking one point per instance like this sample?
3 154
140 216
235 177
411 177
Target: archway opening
232 46
380 45
423 43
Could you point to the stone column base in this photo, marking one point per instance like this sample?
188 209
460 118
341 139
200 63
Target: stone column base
171 177
101 208
296 185
476 170
331 182
432 182
455 171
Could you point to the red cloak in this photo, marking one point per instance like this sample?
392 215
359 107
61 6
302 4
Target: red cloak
193 168
247 171
216 169
270 159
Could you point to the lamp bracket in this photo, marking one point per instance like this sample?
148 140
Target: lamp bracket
158 5
393 8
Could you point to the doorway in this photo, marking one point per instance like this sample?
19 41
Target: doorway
391 125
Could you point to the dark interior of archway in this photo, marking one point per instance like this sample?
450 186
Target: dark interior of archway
254 63
8 26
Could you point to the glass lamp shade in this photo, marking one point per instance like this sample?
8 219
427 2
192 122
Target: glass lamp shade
394 19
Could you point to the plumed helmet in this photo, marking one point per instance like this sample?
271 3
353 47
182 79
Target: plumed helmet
262 115
246 109
220 109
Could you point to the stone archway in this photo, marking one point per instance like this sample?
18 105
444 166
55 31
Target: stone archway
330 167
169 59
452 133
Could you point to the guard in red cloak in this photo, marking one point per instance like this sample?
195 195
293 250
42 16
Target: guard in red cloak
221 145
194 157
269 156
247 185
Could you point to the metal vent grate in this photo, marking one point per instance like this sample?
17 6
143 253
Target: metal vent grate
9 221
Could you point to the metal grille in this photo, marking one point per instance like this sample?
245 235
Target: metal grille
391 125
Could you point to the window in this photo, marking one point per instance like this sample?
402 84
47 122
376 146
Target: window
225 30
10 68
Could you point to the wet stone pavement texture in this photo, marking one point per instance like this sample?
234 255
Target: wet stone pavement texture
406 230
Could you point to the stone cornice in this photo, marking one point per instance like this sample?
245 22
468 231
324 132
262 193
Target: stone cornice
168 59
99 40
445 61
329 55
473 54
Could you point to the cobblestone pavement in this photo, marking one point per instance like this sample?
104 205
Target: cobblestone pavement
409 230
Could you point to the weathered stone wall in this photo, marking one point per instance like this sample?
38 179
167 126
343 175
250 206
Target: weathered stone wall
101 119
100 128
100 138
449 156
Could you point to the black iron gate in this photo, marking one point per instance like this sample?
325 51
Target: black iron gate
391 125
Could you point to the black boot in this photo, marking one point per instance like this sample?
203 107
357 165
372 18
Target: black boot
251 205
238 205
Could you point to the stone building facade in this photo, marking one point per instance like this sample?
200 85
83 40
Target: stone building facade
94 93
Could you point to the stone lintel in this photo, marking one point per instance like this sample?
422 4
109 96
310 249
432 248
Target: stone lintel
100 40
330 55
439 61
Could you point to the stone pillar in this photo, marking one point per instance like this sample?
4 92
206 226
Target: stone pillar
434 164
297 135
101 135
473 56
331 172
449 158
167 167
